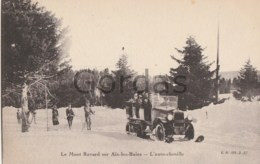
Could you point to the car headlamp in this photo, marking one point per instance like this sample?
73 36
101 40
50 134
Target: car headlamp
170 117
189 117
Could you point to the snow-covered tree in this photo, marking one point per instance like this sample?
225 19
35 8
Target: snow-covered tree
198 80
122 90
248 80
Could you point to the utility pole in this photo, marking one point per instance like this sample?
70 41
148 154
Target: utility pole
217 68
146 80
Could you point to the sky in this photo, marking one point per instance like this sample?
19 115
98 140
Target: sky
150 30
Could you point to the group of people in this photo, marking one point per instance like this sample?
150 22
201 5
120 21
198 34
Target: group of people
55 115
70 115
137 102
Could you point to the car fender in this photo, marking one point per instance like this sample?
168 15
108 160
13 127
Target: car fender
159 120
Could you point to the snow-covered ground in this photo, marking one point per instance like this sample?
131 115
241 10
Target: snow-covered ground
232 127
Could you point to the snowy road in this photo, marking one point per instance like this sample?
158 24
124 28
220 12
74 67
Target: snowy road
231 131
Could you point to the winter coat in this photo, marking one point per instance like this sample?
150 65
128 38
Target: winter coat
70 114
55 115
147 110
88 111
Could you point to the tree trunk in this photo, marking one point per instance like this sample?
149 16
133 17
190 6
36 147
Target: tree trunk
25 110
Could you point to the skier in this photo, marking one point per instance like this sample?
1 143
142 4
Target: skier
70 114
88 113
55 115
19 116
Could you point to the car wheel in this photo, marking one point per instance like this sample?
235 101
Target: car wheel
160 132
189 132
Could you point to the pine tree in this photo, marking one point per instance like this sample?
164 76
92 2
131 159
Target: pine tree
222 85
199 80
248 80
123 90
235 83
228 88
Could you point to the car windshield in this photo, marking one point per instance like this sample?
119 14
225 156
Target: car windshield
164 101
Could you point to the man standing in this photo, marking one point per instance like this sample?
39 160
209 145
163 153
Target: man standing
138 105
147 109
70 114
88 113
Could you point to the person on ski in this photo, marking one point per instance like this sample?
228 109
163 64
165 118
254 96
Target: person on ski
70 115
88 113
55 115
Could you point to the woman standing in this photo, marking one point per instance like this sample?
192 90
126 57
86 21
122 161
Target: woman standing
55 114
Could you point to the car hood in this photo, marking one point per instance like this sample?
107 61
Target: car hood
164 108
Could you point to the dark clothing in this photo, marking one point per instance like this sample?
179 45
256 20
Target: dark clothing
55 115
31 104
19 117
70 114
88 111
138 104
147 110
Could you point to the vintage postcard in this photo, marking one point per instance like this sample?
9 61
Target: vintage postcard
127 81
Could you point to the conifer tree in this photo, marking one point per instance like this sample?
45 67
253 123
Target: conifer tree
122 90
33 48
248 80
198 77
